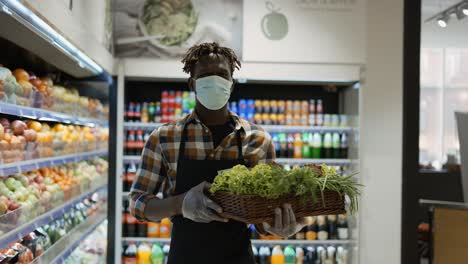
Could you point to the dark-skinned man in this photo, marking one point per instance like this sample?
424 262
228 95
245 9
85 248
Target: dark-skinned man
182 158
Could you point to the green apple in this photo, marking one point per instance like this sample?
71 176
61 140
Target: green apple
11 183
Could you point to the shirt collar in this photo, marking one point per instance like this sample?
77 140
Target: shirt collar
239 123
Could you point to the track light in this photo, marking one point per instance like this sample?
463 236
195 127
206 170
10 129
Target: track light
443 21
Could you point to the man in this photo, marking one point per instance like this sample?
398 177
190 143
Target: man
183 157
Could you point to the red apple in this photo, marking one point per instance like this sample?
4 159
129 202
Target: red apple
5 123
43 187
39 179
30 135
13 206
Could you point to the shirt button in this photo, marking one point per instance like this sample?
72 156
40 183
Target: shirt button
206 130
212 155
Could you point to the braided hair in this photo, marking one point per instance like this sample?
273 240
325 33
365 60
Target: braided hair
194 54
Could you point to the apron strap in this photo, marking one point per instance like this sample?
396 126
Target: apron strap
184 138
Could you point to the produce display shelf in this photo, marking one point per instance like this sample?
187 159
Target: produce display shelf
34 164
65 246
269 128
290 161
283 161
254 241
46 115
19 229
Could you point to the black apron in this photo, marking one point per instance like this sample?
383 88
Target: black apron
214 242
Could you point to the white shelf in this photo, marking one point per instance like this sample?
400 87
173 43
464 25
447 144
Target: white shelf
285 161
15 226
46 115
29 165
65 246
131 158
140 125
269 128
254 241
282 161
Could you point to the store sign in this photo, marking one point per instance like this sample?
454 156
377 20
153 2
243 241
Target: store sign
304 31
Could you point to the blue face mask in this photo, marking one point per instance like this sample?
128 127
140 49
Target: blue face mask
213 91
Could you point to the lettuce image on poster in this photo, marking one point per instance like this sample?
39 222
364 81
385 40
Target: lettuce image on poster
173 20
275 24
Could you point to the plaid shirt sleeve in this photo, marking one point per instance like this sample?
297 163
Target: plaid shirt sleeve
150 175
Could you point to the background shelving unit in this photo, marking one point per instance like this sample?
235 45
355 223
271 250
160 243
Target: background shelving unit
344 101
29 42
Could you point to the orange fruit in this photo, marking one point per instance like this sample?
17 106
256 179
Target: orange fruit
36 126
21 74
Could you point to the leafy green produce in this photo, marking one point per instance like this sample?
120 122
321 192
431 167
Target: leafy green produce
272 181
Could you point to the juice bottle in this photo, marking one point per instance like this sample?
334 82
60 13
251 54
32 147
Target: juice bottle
144 254
344 146
130 254
266 106
274 106
281 106
137 113
297 146
258 106
145 113
277 256
290 147
311 233
165 228
304 108
283 145
289 255
157 255
153 229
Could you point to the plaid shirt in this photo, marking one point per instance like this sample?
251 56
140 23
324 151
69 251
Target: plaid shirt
158 165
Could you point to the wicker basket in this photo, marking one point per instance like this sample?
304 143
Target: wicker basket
253 209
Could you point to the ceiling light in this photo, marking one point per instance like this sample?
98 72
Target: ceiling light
443 21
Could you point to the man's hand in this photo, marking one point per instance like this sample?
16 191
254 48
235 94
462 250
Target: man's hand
285 223
199 208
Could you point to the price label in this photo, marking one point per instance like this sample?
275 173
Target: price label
58 162
69 160
28 167
10 170
44 164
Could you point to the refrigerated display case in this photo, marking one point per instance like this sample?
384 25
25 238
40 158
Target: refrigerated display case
54 141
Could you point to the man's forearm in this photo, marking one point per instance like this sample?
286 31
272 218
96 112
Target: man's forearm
157 209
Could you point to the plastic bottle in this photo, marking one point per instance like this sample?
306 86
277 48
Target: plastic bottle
331 254
283 145
336 150
322 228
137 113
139 143
255 254
306 145
131 224
344 146
289 255
157 112
311 255
316 146
319 113
297 146
130 176
145 118
311 233
264 255
131 112
342 226
157 255
290 147
312 112
144 254
332 227
151 111
153 229
166 250
165 228
299 255
327 146
124 218
130 254
142 228
277 256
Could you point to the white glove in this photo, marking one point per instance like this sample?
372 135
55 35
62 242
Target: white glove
198 207
285 223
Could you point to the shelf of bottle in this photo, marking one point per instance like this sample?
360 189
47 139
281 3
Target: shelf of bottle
17 224
283 161
46 115
65 246
269 128
254 241
34 164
